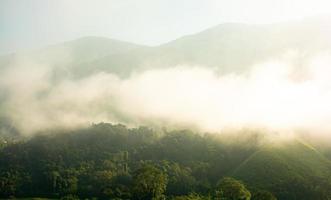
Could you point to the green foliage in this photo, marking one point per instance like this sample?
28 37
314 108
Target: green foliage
263 195
69 197
232 189
108 161
192 196
149 183
288 170
9 183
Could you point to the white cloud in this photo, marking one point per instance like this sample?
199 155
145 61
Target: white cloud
182 96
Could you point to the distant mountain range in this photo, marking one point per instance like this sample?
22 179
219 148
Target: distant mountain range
228 47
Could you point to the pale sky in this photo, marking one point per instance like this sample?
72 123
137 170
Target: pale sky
26 24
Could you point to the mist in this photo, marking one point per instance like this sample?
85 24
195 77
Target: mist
277 94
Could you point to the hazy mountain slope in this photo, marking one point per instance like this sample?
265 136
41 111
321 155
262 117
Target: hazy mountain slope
275 165
122 63
229 47
90 48
233 47
71 54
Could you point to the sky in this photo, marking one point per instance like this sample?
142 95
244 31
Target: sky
28 24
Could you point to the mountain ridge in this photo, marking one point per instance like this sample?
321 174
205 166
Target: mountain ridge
228 47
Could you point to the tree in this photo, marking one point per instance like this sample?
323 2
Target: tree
149 182
180 181
69 197
192 196
68 182
232 189
263 195
9 183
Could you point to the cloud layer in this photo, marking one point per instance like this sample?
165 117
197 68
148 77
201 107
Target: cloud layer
277 94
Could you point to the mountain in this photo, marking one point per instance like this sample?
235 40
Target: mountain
227 47
231 47
64 57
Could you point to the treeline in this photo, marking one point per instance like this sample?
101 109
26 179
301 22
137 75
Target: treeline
108 161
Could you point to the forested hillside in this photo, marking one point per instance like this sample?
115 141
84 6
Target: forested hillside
108 161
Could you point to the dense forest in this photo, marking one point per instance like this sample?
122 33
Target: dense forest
106 161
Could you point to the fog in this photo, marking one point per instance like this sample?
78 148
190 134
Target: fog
278 94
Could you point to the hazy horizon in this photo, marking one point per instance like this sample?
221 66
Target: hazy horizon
31 24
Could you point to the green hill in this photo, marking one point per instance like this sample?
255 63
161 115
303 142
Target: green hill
101 161
277 166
